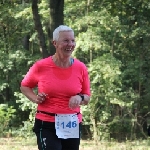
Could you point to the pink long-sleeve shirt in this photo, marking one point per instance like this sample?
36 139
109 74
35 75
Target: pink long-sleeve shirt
59 83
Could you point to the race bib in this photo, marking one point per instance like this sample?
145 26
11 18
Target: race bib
67 126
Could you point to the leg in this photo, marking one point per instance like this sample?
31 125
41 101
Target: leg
46 135
70 144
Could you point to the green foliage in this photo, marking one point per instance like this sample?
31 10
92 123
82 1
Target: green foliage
26 105
112 38
109 98
7 113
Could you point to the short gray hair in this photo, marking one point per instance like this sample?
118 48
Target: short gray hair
59 29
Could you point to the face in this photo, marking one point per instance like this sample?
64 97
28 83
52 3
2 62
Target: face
65 44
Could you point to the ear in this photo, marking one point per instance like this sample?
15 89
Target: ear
54 43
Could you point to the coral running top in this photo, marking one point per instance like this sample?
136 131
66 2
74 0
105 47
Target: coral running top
59 83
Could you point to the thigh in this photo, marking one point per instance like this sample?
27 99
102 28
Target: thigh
70 144
46 136
48 140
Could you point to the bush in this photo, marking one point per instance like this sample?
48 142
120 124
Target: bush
6 115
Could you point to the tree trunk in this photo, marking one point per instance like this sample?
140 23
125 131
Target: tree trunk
95 132
38 27
56 19
26 42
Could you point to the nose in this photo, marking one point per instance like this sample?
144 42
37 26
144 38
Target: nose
71 43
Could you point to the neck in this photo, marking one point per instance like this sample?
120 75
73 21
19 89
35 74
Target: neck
60 61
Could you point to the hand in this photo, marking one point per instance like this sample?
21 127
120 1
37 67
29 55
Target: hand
75 101
41 98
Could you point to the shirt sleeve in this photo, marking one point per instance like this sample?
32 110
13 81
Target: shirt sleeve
31 78
86 82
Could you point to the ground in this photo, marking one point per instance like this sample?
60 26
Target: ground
29 144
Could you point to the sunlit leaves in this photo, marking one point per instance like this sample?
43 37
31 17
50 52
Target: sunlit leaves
25 104
6 115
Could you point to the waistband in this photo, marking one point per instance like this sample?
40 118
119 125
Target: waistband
50 114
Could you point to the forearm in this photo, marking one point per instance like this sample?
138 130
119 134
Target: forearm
86 99
28 92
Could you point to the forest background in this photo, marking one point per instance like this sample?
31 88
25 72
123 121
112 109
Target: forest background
112 39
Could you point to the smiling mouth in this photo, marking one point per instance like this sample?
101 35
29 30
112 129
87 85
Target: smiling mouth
68 49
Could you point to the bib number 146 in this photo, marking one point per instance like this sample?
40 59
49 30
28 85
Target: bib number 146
69 124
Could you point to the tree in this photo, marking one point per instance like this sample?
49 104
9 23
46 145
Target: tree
119 28
112 38
56 18
38 27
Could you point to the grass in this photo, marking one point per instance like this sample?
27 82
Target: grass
103 145
30 144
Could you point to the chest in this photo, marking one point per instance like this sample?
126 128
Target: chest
60 81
